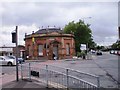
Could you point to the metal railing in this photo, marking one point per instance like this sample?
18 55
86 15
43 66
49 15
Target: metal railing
57 78
79 74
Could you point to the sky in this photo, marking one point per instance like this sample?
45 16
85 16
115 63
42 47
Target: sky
31 15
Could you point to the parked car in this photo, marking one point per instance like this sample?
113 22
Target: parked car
20 60
93 51
118 53
98 53
112 52
5 60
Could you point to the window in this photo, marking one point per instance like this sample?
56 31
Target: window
67 49
40 50
1 59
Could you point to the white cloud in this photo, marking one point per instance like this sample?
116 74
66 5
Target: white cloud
30 16
6 37
60 1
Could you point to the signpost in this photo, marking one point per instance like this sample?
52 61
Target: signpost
15 40
83 47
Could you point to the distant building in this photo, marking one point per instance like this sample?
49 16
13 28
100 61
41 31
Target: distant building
46 42
7 51
21 51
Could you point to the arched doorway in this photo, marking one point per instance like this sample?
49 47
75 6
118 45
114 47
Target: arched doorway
54 46
55 50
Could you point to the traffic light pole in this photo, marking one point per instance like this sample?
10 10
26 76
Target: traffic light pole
17 78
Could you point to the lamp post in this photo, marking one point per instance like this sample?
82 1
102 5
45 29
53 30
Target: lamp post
119 56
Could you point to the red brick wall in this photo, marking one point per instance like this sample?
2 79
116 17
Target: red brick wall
42 40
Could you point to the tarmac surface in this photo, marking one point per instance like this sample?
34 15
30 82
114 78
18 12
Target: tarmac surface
9 80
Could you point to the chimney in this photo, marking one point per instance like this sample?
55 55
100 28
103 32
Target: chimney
32 32
25 34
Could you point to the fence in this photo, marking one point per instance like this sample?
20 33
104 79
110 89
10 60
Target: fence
83 75
58 77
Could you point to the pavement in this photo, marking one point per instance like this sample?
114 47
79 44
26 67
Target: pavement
8 81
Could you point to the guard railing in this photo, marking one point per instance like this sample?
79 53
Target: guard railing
61 78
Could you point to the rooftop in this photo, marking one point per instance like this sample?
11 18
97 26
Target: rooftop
49 30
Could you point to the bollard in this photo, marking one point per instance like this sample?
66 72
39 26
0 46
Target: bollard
67 79
29 72
98 82
21 72
47 75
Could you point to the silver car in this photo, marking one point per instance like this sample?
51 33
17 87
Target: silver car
5 60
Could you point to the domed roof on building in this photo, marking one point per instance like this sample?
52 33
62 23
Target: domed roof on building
49 30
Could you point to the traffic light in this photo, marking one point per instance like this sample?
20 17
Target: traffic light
13 37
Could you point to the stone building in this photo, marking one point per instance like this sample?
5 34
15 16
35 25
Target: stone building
46 42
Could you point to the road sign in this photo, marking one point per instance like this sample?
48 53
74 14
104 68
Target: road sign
83 47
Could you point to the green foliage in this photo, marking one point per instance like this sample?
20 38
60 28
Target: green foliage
116 45
80 54
82 33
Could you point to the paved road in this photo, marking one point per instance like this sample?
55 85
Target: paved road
7 69
106 66
108 63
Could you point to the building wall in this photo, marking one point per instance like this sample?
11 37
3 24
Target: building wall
21 51
7 51
56 41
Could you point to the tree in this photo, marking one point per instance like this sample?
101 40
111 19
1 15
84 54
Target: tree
82 33
116 45
100 47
